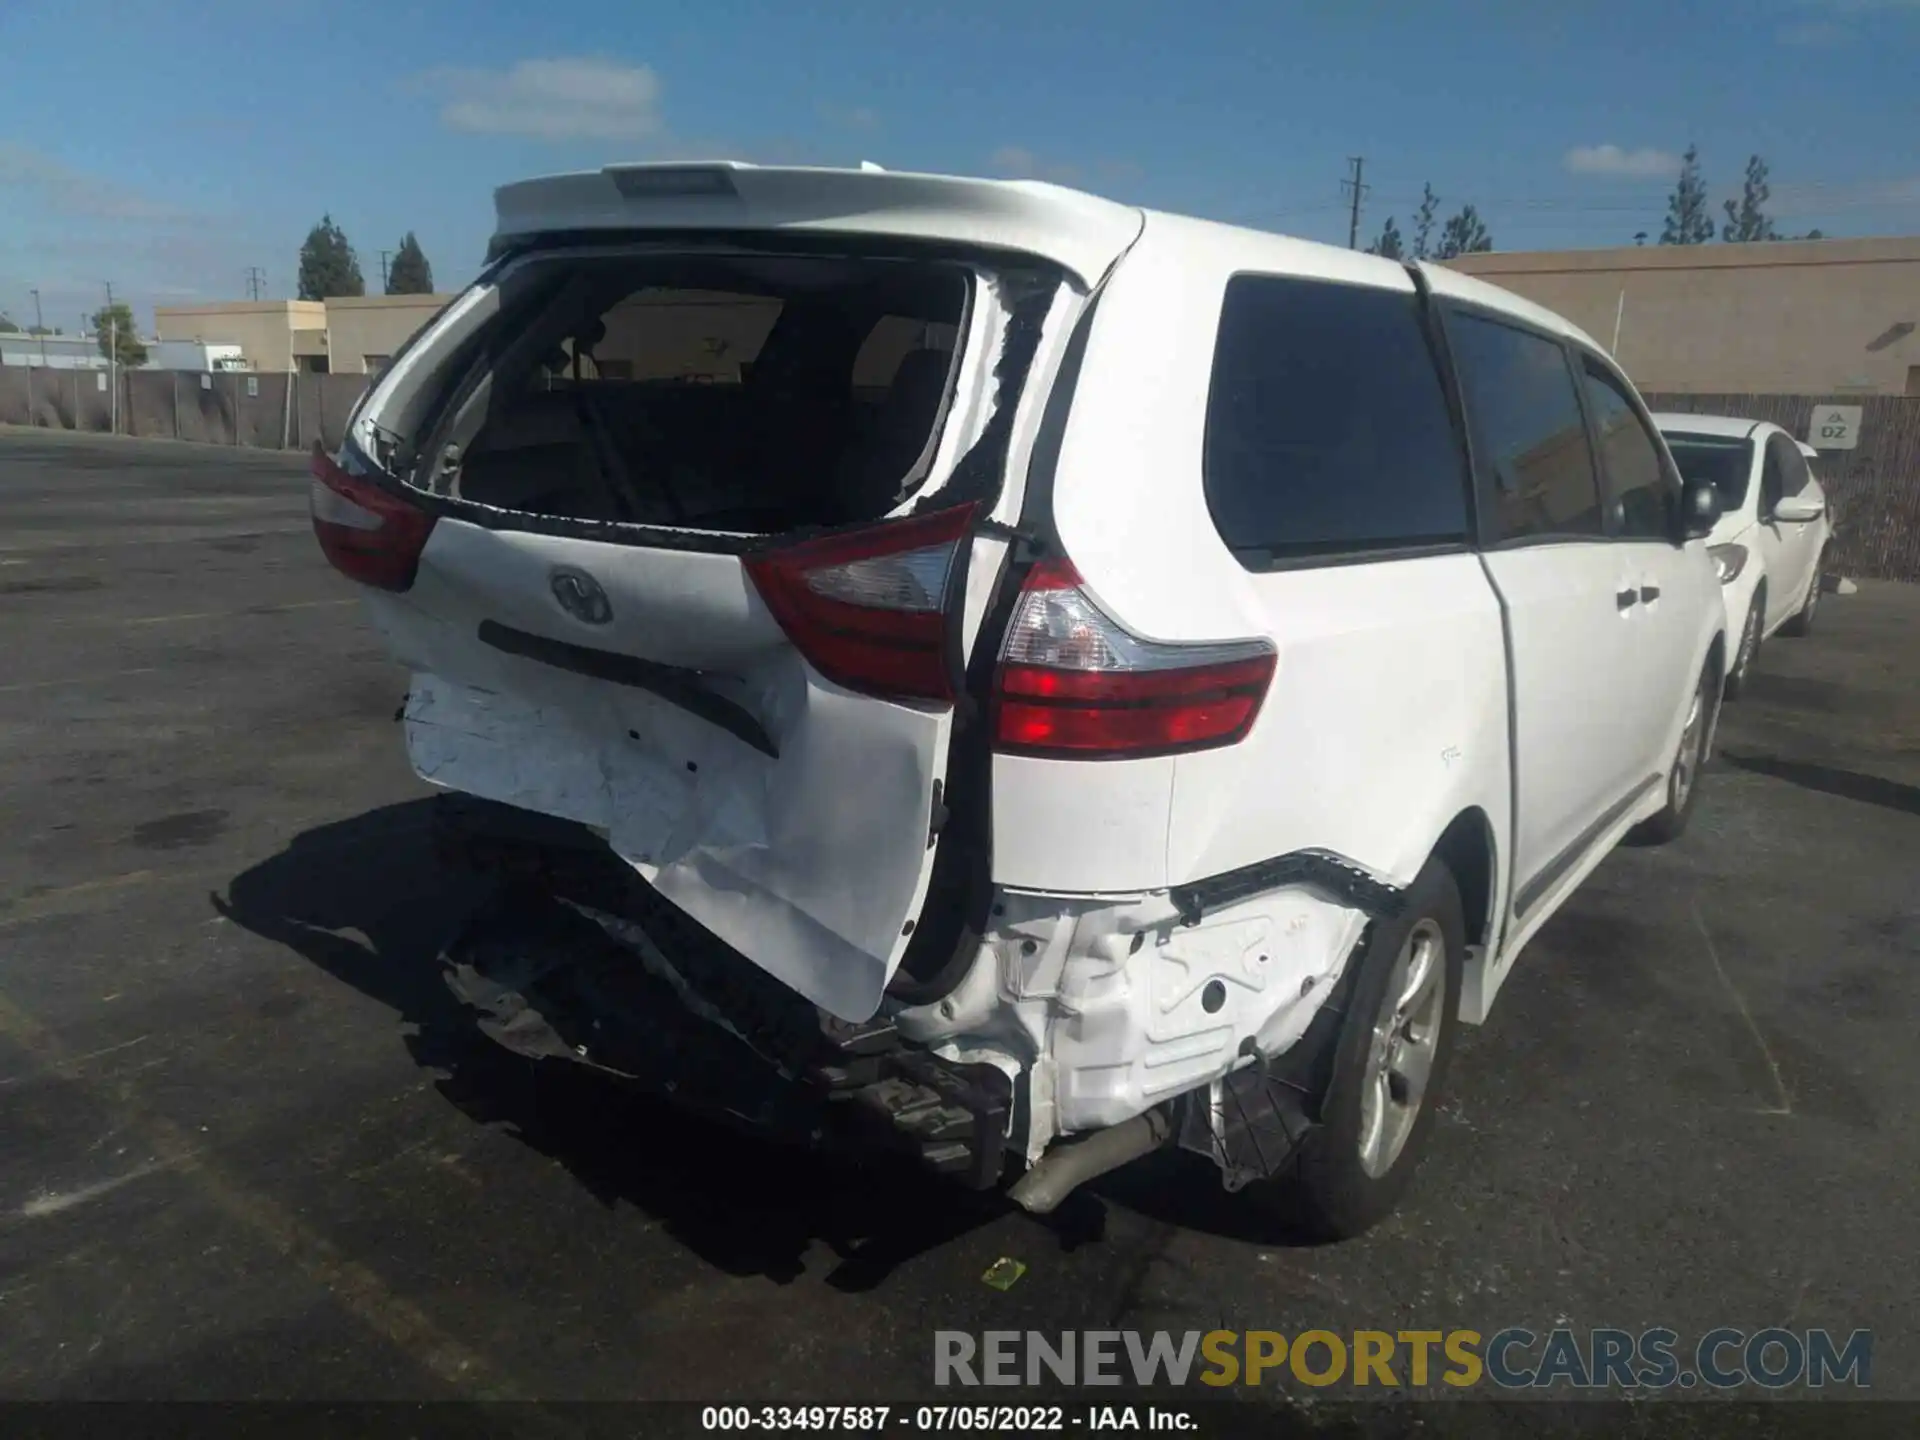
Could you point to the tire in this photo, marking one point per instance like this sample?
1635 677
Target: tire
1742 669
1332 1191
1683 776
1802 621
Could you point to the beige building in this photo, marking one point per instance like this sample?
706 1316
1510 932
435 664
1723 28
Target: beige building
272 334
1784 317
363 333
341 336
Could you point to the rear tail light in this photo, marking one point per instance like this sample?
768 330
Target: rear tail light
1073 684
869 610
367 534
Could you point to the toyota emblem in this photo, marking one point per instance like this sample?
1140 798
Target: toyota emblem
580 596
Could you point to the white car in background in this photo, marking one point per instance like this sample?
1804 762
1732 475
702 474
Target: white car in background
1772 532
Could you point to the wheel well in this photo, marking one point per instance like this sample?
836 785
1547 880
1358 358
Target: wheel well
1467 848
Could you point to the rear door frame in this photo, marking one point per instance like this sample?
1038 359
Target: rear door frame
1541 874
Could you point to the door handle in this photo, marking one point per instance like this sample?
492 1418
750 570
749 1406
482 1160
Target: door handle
1626 599
1649 593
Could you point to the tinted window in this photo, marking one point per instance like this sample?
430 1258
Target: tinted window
1794 472
1773 474
1637 484
1530 438
1722 461
1327 428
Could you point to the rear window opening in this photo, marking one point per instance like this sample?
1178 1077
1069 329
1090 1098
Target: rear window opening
730 392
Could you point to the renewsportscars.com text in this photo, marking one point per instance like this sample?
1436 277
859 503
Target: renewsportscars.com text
1514 1358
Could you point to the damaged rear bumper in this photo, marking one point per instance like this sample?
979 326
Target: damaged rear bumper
1210 1013
574 959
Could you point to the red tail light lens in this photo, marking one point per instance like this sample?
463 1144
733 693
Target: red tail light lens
1074 684
367 534
869 610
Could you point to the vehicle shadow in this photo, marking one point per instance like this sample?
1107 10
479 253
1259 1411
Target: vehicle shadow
367 901
1847 784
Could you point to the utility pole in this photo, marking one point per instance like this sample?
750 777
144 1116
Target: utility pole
383 270
1353 185
113 363
256 281
41 326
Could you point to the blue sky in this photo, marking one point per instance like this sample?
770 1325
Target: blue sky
167 145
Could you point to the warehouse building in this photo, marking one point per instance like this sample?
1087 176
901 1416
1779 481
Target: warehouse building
1782 317
343 336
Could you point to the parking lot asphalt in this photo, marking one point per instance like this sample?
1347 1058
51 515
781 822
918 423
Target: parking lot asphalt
247 1148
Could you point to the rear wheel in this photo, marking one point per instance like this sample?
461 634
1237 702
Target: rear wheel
1802 622
1389 1068
1683 778
1742 668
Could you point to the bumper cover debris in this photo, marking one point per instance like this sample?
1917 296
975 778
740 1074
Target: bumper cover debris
574 959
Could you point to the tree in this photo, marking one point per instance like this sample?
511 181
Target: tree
1423 223
114 332
1748 220
328 266
1389 244
410 274
7 327
1688 220
1465 234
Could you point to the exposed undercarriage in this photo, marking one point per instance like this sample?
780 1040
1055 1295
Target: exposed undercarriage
575 958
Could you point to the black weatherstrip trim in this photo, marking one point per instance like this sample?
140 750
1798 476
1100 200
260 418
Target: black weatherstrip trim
1339 879
672 684
1433 326
1543 881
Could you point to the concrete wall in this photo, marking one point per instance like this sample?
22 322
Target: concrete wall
265 330
1800 317
372 327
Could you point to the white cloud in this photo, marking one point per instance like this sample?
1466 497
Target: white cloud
1645 164
54 187
578 98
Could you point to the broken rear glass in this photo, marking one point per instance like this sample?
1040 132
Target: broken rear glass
744 393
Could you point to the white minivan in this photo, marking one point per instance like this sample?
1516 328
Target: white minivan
1035 679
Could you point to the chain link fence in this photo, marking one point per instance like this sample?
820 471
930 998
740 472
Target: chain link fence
270 412
1874 489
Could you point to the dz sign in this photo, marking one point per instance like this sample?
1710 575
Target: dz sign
1834 427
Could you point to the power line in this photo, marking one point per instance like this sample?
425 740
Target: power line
1357 190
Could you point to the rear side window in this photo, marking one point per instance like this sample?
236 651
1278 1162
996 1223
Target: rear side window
1327 428
1795 472
1773 474
1527 431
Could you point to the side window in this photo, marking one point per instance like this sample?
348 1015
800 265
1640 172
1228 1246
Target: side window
1528 431
1636 482
1794 471
1327 426
1773 474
